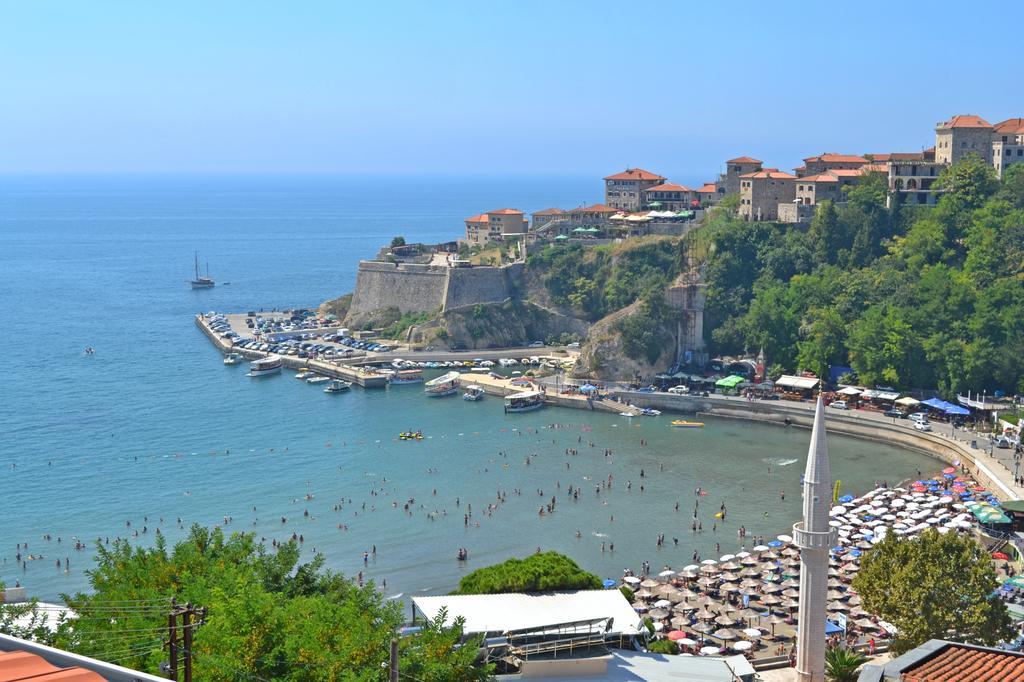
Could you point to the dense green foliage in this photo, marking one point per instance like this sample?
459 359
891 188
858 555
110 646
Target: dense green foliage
842 664
644 333
663 646
911 296
397 241
396 328
600 280
536 573
269 617
933 587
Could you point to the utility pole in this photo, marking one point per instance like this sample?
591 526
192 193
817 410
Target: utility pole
393 677
191 617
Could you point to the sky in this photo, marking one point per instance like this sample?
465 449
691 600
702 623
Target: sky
554 87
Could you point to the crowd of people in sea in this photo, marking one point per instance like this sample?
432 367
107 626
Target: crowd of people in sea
582 483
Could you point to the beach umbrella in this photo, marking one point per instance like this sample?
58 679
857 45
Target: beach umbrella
658 614
609 583
773 589
784 538
705 614
854 600
662 604
707 582
775 543
729 587
749 592
666 574
865 623
691 567
749 613
631 579
742 646
710 651
791 592
837 606
725 620
725 634
770 599
832 594
643 594
760 548
790 604
688 594
742 555
648 583
676 635
730 566
749 561
727 557
790 582
752 633
708 569
680 622
703 628
729 577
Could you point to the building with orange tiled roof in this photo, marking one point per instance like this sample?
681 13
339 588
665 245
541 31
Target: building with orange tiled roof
729 182
962 135
1007 144
21 659
825 162
762 191
495 225
669 196
542 218
942 661
625 191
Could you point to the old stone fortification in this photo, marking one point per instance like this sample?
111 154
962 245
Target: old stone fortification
417 288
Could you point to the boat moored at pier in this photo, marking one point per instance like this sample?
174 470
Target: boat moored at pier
526 401
338 386
407 376
233 359
446 384
473 393
263 366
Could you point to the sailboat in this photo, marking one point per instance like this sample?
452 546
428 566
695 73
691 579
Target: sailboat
201 282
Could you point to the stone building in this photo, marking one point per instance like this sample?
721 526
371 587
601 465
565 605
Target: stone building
962 135
709 194
542 218
911 177
669 197
495 226
761 193
1007 144
625 190
729 182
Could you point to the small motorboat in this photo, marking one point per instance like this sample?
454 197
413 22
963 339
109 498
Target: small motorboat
338 386
411 435
233 359
317 379
473 393
305 373
648 412
683 424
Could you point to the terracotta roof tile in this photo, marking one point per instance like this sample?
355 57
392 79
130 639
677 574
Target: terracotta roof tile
836 158
596 208
769 174
1011 126
482 218
20 665
820 177
669 187
744 159
635 174
549 211
709 188
875 168
965 121
967 664
506 211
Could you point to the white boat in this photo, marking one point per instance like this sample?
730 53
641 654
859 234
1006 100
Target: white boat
201 282
447 384
305 373
524 402
268 365
407 376
338 386
479 370
473 393
648 412
233 358
317 379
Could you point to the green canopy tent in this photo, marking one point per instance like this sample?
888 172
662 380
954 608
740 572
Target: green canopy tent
579 230
592 230
561 237
729 384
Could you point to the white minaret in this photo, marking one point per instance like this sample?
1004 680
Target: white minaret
815 538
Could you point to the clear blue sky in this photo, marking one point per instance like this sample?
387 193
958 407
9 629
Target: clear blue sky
495 87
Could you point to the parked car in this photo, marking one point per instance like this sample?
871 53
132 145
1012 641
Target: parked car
537 344
919 417
895 414
839 405
922 426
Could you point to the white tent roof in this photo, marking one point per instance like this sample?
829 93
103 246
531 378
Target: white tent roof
908 401
787 381
850 390
515 611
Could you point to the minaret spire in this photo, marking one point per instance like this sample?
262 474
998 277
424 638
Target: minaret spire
814 537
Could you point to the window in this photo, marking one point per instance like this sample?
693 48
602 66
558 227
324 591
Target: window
1020 152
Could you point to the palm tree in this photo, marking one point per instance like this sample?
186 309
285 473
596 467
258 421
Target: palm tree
842 664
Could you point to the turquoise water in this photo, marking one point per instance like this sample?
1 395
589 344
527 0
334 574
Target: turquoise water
153 425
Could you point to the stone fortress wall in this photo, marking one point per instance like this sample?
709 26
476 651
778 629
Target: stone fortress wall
417 288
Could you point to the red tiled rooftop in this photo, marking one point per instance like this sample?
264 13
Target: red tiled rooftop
820 177
635 174
506 211
965 121
966 664
549 211
20 665
709 188
875 168
836 158
1011 126
769 174
597 208
744 159
669 187
482 218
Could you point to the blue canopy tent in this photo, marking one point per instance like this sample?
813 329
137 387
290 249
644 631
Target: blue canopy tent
588 388
830 628
947 408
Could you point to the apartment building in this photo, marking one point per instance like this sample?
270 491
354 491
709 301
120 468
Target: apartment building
669 197
494 226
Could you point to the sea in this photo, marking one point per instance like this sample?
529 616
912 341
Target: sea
151 431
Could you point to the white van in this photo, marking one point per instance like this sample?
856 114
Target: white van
919 417
839 405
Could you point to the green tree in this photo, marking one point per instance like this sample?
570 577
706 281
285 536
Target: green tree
269 616
822 341
882 346
967 184
842 664
933 587
542 572
825 233
397 241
